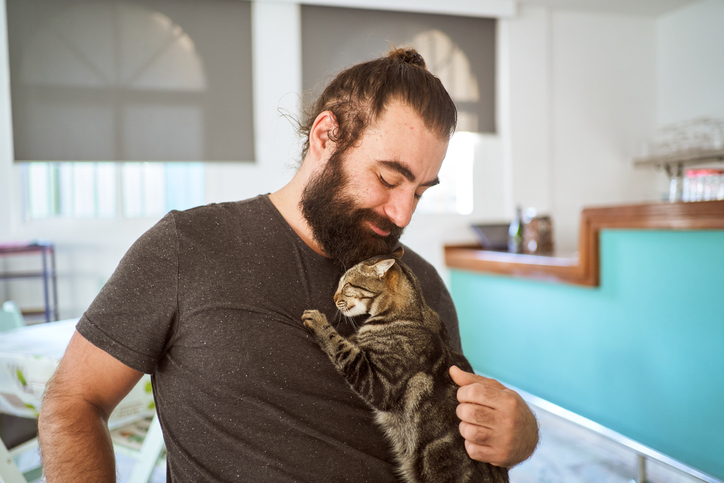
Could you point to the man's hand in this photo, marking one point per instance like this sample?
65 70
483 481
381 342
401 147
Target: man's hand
496 423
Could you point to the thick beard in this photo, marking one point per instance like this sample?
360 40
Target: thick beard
338 225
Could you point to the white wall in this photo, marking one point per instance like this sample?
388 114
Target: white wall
581 94
690 69
603 100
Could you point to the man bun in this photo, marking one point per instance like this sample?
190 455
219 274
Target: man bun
409 56
358 95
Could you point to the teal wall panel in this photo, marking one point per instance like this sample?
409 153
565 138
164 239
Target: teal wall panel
642 354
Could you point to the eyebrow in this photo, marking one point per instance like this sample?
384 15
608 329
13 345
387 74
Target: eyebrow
405 171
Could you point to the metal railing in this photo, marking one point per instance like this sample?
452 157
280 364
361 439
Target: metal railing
643 453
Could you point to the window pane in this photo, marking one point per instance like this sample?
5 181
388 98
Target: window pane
454 194
65 188
38 190
84 196
91 190
106 190
154 189
188 182
133 201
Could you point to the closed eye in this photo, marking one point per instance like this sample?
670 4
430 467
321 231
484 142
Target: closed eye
388 185
385 183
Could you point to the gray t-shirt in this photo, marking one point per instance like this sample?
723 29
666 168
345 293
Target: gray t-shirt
209 302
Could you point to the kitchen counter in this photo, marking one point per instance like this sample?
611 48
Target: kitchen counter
629 333
583 268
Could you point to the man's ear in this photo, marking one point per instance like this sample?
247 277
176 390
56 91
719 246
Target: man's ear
320 144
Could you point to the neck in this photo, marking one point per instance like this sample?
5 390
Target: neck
287 200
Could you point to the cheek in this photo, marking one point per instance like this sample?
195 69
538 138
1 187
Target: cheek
370 194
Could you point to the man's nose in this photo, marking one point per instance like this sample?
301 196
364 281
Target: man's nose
400 207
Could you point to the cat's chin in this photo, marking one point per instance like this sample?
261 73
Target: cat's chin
354 311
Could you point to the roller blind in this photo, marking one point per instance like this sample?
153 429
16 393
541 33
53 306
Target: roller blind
459 50
117 80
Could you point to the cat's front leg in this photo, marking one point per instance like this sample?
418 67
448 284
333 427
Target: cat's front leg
316 323
314 319
349 359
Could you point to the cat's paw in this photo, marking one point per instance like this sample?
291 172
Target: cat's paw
313 319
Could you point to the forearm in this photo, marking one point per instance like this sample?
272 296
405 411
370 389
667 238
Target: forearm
75 443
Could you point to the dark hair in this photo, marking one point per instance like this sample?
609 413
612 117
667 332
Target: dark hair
359 94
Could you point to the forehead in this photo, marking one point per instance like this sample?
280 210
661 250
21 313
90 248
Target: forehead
399 134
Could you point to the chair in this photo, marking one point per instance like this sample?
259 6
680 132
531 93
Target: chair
9 473
20 436
145 455
28 357
10 317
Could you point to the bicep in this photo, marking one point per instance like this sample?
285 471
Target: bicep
87 374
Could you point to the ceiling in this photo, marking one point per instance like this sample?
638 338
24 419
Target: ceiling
648 8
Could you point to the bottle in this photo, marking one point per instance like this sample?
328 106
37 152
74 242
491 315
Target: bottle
515 232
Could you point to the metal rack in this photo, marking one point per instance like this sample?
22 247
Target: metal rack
46 252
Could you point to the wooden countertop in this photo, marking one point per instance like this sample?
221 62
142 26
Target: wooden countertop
584 268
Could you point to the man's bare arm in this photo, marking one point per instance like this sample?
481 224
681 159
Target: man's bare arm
73 424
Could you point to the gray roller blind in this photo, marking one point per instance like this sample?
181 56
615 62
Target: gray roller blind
459 50
116 80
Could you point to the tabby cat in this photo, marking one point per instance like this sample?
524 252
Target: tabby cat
398 363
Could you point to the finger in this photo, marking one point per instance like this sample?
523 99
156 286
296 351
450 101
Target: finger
475 414
485 445
476 434
463 378
485 453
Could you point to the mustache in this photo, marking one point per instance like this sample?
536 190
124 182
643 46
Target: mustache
380 221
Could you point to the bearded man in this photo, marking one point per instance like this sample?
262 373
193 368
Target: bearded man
209 302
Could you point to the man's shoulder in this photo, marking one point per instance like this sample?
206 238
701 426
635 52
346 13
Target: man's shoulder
214 211
217 216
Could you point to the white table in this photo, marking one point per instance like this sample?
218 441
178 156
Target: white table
29 356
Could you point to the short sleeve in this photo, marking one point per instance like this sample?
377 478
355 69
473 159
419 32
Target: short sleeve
133 315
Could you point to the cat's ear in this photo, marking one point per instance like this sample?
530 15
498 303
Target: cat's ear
382 266
399 252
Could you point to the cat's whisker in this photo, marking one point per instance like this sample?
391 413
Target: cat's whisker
351 321
338 317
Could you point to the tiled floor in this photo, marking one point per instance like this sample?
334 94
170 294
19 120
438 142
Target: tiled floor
567 453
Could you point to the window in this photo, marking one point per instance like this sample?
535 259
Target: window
110 190
125 80
454 194
459 50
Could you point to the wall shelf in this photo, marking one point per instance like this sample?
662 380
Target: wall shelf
683 159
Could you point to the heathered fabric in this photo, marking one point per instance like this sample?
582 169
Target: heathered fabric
209 302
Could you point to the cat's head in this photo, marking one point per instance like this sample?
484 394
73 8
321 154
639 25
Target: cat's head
362 285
